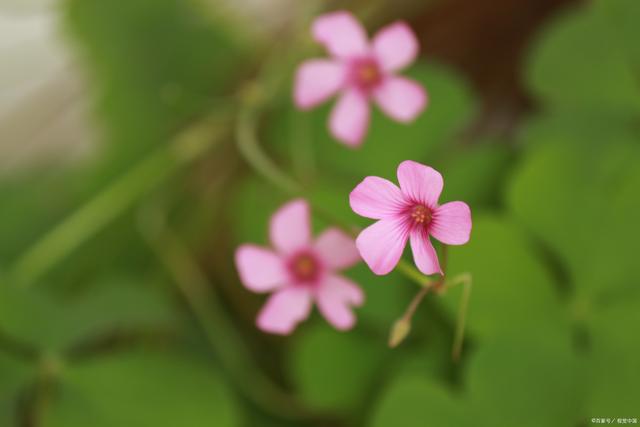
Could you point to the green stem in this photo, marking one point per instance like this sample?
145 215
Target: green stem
250 149
415 275
466 281
218 328
94 215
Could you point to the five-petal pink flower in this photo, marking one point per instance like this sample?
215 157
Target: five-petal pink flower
360 71
409 212
299 271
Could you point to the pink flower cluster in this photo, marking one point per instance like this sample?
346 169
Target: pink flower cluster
298 270
360 71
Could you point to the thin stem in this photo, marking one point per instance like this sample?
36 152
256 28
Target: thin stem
302 153
102 209
444 256
250 149
415 302
218 328
466 281
414 274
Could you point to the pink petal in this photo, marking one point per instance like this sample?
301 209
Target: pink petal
316 81
260 269
376 198
451 223
382 243
420 183
337 249
290 228
335 298
341 33
349 119
284 310
395 46
401 99
424 254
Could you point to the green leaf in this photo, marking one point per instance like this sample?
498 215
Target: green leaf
579 65
509 281
623 17
149 79
581 200
142 389
524 380
15 376
614 360
334 370
413 401
512 379
41 320
476 173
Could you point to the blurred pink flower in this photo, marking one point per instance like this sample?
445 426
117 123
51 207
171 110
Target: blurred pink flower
360 71
409 212
300 271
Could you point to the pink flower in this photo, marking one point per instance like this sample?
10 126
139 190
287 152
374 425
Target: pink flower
360 71
409 212
300 271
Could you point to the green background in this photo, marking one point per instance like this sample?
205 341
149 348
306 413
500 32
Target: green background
120 304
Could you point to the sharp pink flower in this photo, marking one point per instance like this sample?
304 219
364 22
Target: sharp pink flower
360 71
410 212
299 271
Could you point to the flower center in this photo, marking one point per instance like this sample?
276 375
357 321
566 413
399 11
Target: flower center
421 215
304 268
366 73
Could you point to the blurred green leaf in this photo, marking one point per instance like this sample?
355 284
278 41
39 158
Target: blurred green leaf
512 379
509 281
334 370
623 17
524 380
582 201
579 65
614 360
154 63
39 319
417 401
14 377
142 389
476 173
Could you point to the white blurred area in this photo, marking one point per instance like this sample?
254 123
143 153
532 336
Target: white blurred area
43 107
263 18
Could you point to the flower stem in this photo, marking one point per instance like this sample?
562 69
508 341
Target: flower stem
250 149
465 280
107 205
209 312
414 274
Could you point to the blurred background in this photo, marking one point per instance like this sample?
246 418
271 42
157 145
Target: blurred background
124 193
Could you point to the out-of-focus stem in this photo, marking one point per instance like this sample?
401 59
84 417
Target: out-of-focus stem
116 198
218 328
250 149
466 281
